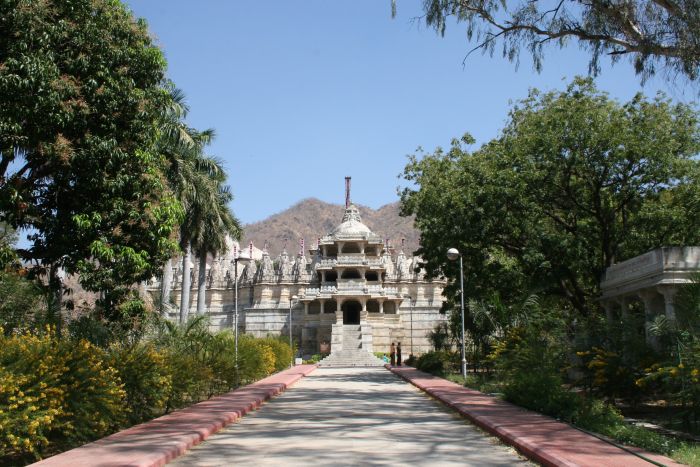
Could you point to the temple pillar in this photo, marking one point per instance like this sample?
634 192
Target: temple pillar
381 306
339 312
340 247
306 308
363 312
323 276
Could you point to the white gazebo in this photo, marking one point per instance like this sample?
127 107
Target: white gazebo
654 278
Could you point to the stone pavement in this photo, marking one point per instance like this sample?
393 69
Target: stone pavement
539 437
156 442
351 416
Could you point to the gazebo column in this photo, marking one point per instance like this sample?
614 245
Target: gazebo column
624 309
609 311
651 300
669 293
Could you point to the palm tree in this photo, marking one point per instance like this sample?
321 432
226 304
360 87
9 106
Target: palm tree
193 177
199 200
217 223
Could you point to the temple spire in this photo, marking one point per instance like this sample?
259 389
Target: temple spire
347 192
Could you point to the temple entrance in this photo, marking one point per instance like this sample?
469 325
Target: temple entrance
351 312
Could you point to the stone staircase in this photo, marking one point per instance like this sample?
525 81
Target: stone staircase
352 353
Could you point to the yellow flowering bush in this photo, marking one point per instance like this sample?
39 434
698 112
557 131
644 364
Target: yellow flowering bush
256 359
147 380
54 394
606 373
282 351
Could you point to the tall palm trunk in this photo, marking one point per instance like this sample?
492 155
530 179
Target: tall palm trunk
166 286
186 284
202 283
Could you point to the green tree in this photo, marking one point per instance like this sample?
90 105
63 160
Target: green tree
575 182
8 238
81 95
652 33
22 302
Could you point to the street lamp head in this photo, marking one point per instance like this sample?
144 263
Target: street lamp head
453 254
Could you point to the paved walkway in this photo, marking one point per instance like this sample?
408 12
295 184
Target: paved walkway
351 416
541 438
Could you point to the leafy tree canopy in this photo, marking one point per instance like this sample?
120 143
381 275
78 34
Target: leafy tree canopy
652 33
81 94
575 182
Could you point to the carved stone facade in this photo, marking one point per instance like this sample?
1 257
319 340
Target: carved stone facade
350 278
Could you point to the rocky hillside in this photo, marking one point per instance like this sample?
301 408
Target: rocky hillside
312 218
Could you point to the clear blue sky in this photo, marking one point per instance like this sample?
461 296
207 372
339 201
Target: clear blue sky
303 93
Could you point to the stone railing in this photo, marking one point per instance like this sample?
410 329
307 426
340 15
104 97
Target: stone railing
346 285
391 291
347 260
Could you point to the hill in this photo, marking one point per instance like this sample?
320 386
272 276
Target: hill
312 218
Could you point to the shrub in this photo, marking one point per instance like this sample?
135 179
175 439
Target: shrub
190 379
680 383
435 362
56 393
529 361
544 393
146 379
315 358
222 361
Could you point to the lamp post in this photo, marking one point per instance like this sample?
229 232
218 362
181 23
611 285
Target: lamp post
291 342
453 254
410 302
236 260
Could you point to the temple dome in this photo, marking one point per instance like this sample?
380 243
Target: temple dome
352 223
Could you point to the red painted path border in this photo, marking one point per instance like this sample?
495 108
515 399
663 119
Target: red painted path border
161 440
540 438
